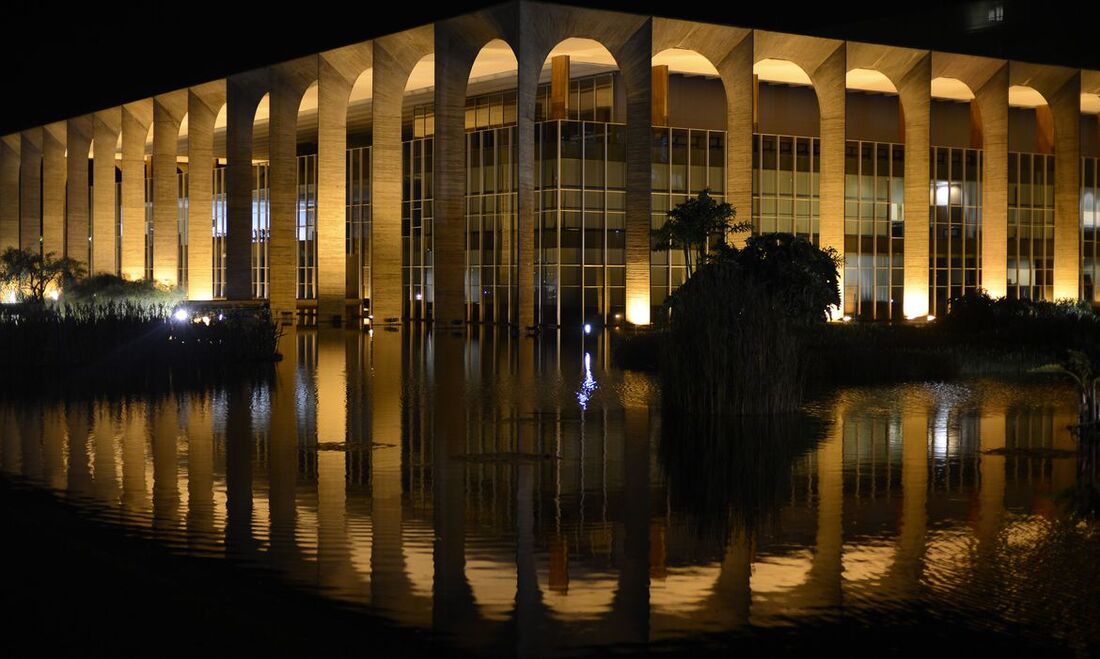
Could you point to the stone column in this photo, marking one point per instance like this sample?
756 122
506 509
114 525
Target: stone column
288 82
1065 104
388 88
336 75
635 60
992 100
53 189
30 190
737 78
107 125
452 68
915 92
168 112
203 104
243 94
9 191
136 119
77 210
829 80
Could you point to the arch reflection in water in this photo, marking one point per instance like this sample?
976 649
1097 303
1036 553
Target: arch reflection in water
453 482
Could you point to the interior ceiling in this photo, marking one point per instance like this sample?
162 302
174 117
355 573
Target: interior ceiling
686 62
1020 96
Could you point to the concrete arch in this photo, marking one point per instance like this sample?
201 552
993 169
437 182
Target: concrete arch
30 190
54 169
629 39
106 138
137 120
205 103
393 60
243 94
338 72
1061 87
910 72
954 89
169 111
79 133
825 62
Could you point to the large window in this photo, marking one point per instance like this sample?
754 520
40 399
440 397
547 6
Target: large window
1090 229
684 162
591 98
220 218
874 222
305 228
491 174
358 220
1031 226
785 183
416 227
261 229
955 214
580 240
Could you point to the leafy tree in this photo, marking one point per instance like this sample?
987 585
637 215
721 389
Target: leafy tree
31 273
692 224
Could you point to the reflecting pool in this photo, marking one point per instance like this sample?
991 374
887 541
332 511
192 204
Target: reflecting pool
523 496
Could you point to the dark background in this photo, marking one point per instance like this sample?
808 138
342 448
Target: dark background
53 53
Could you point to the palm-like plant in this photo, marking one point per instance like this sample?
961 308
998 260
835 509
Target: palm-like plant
691 225
1079 367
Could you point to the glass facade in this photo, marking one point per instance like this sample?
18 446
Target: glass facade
491 174
785 185
306 228
580 237
874 222
1090 228
591 98
358 221
684 163
955 217
1031 226
261 228
219 220
416 225
182 203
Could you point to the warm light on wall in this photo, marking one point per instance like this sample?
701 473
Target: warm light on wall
916 302
637 311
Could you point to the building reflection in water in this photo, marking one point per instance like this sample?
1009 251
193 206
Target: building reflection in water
453 481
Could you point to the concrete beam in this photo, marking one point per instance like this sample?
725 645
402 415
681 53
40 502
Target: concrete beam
393 60
243 94
137 117
337 72
9 191
53 189
168 112
77 208
107 126
30 190
203 103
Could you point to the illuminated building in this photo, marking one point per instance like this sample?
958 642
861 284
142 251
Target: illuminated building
508 165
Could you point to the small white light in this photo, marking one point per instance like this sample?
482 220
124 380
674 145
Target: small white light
587 328
54 295
847 319
221 316
419 296
931 317
206 320
180 314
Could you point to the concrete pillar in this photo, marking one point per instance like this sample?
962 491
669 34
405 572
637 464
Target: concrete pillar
915 92
136 119
1065 105
739 83
53 189
30 190
337 72
288 83
992 101
203 104
168 112
527 80
107 125
9 191
243 94
635 59
77 209
452 69
829 80
391 72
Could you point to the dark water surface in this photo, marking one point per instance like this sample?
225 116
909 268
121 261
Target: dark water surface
522 496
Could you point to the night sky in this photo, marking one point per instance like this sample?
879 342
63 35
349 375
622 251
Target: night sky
50 65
